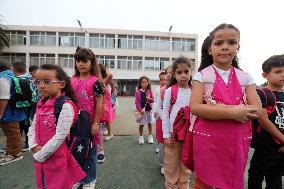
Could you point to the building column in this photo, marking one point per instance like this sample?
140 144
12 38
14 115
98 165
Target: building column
28 38
87 36
57 39
115 51
143 52
28 60
56 58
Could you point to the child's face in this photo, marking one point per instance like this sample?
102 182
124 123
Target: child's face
169 75
163 81
47 83
182 75
275 77
84 67
144 84
224 47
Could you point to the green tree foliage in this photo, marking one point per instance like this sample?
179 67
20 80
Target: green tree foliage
4 40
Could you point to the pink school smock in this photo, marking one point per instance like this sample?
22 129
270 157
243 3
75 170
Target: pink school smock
85 97
60 170
106 112
220 147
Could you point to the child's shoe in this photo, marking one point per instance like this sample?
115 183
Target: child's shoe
91 185
150 139
162 170
157 150
100 158
141 140
76 185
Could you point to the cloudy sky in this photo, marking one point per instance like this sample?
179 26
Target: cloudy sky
260 22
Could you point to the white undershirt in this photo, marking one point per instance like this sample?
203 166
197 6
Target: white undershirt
63 126
4 89
224 74
182 100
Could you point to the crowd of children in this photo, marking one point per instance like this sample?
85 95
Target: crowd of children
228 115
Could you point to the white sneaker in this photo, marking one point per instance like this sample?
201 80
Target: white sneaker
91 185
162 170
150 139
157 150
6 159
141 140
76 186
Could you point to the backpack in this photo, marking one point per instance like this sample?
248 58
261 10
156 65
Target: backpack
25 95
79 139
181 130
271 105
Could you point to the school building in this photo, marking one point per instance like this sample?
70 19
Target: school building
128 53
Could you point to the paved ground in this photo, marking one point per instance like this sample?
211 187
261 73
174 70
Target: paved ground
127 166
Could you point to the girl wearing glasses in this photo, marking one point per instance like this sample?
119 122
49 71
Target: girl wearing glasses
54 164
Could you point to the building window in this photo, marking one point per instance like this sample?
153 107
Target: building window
183 45
130 42
43 38
72 39
156 63
102 41
108 61
129 63
16 37
13 57
157 43
40 59
66 61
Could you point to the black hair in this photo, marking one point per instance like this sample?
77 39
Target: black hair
61 76
84 54
163 72
103 70
178 61
206 58
273 61
140 81
33 68
19 67
4 66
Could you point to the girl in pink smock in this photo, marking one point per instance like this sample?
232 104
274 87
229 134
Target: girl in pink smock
224 98
89 92
55 166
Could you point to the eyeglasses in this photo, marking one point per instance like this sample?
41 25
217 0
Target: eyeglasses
45 82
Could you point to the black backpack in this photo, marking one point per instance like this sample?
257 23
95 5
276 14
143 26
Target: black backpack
271 105
79 139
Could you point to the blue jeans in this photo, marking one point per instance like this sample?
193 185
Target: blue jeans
90 167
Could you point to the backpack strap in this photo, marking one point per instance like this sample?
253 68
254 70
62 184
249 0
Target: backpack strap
174 93
270 99
58 106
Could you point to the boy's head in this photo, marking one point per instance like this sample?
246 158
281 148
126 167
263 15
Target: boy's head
32 70
272 62
19 68
273 70
4 66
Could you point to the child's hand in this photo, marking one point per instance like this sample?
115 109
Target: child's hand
169 142
95 128
244 113
142 111
281 149
148 98
36 149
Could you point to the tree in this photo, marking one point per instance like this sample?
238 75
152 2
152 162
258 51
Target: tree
4 40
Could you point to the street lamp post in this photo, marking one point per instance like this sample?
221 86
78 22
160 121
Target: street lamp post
170 52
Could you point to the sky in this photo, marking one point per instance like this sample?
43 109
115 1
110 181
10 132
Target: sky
260 22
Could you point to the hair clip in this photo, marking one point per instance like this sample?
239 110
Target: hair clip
78 48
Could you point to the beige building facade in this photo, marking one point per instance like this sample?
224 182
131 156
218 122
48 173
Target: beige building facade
128 53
